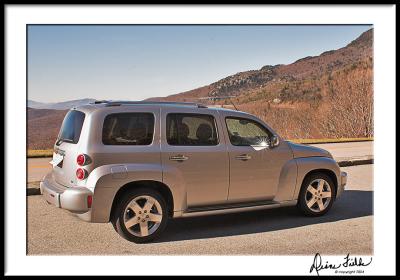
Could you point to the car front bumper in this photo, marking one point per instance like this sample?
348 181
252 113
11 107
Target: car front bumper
343 182
74 199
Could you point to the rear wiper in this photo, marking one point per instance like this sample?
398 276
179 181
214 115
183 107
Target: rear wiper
59 141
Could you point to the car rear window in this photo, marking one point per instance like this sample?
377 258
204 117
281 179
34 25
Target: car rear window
71 127
128 129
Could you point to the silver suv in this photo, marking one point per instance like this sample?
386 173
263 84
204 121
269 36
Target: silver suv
137 164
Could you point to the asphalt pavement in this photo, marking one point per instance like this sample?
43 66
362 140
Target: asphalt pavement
347 228
348 150
38 168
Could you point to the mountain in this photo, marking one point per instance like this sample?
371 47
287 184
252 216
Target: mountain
279 76
43 127
324 96
35 104
313 97
45 119
59 105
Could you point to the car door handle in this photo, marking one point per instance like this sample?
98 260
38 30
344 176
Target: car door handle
243 157
178 158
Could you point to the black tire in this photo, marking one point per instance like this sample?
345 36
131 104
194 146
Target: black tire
302 199
117 218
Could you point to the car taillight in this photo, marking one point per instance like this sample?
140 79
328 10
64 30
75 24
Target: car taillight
81 159
81 173
89 201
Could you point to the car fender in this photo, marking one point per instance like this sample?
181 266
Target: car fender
174 178
106 180
287 181
308 164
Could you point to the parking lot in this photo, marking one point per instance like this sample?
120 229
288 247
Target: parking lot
347 228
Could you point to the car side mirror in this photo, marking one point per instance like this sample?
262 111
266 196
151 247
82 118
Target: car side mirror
274 141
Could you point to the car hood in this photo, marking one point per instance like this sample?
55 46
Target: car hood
301 151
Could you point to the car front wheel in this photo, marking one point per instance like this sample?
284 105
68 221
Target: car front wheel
141 215
316 195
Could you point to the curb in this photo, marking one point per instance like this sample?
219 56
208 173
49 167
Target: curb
343 162
33 187
32 191
355 162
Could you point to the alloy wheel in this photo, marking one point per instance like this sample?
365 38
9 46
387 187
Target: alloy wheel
143 216
318 195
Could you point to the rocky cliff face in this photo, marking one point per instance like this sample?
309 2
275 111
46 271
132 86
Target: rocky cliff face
236 84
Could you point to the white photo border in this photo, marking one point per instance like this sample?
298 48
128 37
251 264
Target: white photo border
18 16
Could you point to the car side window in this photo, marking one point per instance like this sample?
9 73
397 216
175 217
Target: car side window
191 130
246 132
128 129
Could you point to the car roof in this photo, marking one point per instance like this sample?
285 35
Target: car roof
96 105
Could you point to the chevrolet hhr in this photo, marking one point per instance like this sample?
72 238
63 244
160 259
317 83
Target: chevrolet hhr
138 164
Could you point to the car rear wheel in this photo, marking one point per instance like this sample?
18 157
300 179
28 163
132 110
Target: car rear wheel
316 195
141 215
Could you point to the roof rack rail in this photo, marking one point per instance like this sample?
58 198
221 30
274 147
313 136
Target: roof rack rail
99 102
119 103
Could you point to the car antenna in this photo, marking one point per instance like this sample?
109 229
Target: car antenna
234 106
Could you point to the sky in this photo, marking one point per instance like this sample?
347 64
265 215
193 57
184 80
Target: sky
135 62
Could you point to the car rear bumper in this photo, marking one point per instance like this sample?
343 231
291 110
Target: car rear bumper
343 182
74 199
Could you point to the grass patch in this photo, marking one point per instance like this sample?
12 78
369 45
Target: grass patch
33 188
34 184
39 153
330 140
